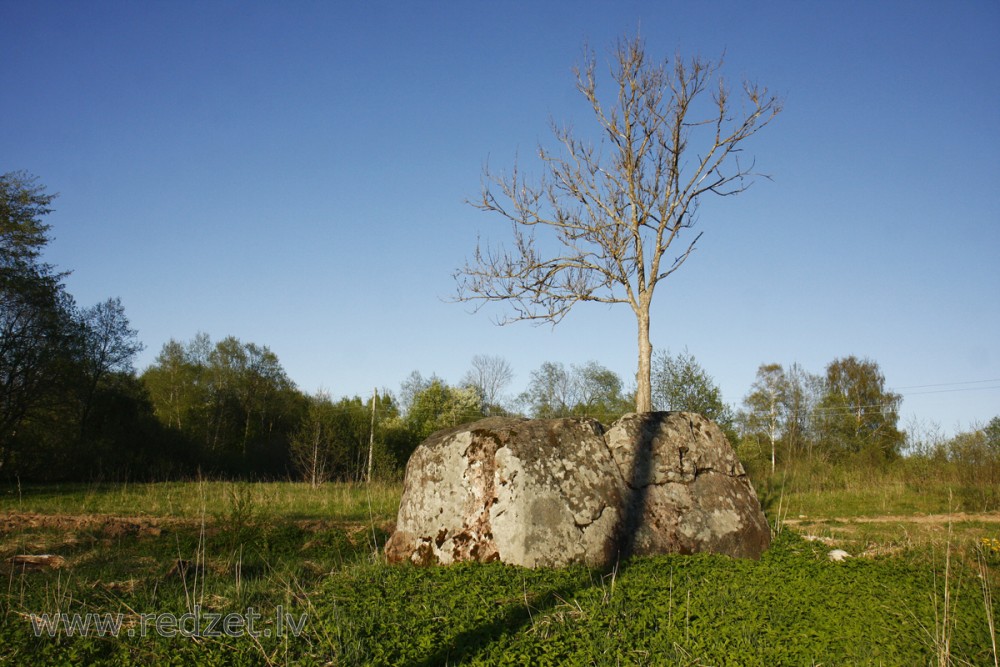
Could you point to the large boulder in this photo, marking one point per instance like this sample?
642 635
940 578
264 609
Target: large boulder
550 492
685 489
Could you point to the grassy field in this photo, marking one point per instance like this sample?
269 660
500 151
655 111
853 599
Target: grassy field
156 564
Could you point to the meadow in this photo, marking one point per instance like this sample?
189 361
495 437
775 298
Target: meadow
238 573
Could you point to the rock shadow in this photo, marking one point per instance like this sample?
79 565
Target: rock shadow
474 641
636 488
638 481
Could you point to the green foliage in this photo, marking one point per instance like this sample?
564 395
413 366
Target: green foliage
333 440
588 390
599 393
23 205
66 406
351 502
433 405
681 384
792 607
847 416
765 406
975 456
236 553
232 401
857 414
37 332
248 545
551 392
777 415
848 487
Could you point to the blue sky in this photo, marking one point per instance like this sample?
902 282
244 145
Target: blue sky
294 174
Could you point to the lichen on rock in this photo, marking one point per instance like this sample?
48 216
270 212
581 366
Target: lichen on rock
558 491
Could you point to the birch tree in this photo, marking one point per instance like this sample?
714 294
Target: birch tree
766 405
607 223
857 413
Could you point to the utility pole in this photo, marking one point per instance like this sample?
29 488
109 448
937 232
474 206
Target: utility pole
371 436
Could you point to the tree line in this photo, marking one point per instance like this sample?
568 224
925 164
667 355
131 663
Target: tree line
66 375
73 406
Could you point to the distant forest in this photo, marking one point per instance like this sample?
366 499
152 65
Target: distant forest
74 407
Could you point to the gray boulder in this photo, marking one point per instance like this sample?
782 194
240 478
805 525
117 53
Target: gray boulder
550 492
685 489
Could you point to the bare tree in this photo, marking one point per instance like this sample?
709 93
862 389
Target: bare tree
671 134
490 375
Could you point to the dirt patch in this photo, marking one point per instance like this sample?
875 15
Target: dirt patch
871 536
107 525
922 519
113 526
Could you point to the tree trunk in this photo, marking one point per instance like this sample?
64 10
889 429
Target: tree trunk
773 432
371 438
644 385
314 468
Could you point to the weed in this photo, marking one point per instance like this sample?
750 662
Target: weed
314 552
988 550
943 617
990 547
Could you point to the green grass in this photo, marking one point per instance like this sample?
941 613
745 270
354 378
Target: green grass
842 491
316 552
293 500
219 547
792 607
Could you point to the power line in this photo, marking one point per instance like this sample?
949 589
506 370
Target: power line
850 409
945 391
945 384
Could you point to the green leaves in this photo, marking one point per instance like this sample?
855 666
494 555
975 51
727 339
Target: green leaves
857 413
681 384
233 400
587 390
23 204
432 404
792 607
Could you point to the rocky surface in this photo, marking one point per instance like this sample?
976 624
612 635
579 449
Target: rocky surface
686 491
558 491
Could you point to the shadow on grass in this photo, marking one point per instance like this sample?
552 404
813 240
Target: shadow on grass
516 618
475 641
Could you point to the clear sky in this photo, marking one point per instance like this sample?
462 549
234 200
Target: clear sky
294 174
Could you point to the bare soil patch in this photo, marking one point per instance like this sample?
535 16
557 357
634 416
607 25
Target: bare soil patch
926 519
116 526
871 536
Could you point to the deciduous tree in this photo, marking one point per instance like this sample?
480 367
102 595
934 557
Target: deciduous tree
109 346
437 405
551 392
599 393
490 375
38 336
803 394
681 384
608 223
587 390
857 414
233 398
766 405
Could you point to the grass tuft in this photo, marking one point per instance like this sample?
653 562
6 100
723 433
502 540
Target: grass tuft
285 547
